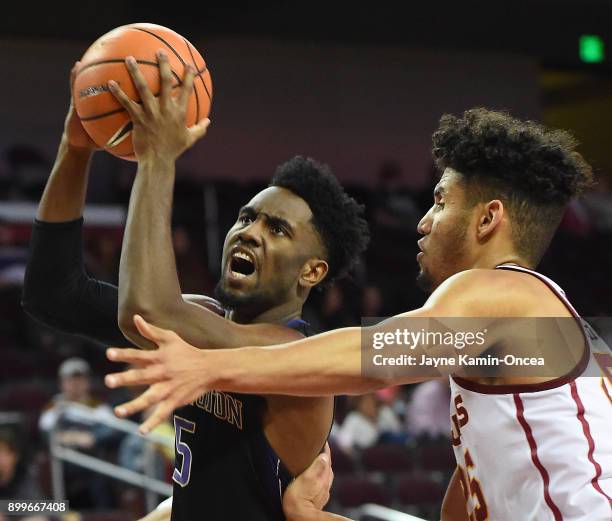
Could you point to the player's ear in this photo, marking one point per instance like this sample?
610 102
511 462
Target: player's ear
490 218
313 272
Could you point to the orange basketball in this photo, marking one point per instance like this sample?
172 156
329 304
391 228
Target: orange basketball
104 119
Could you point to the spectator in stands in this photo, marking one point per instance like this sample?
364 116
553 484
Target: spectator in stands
427 412
364 426
17 479
132 450
83 433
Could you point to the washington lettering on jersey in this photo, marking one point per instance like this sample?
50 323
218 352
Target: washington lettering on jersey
224 406
225 469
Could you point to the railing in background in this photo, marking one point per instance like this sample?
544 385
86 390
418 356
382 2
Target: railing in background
60 454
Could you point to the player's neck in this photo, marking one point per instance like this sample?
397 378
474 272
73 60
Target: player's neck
492 259
276 315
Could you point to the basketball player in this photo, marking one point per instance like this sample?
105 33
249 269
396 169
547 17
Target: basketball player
536 448
235 454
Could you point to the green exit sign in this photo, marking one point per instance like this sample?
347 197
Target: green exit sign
591 49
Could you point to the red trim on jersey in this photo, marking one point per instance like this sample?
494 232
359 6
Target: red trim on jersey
587 433
520 415
543 386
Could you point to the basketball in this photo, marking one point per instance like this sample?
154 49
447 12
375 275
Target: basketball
102 116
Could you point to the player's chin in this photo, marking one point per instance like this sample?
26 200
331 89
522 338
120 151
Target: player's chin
239 281
424 280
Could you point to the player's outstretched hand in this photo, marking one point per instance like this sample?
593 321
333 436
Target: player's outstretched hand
173 372
159 123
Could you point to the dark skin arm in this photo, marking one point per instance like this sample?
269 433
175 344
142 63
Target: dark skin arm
148 280
64 195
63 201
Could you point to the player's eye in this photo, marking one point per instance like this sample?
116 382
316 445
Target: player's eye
245 219
277 230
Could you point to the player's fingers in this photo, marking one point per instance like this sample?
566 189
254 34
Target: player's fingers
144 376
187 87
151 396
126 102
199 129
153 333
165 74
146 96
161 413
130 355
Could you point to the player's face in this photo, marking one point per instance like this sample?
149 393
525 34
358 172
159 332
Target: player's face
446 244
266 249
76 387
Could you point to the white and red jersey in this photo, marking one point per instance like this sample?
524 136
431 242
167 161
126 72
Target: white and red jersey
538 452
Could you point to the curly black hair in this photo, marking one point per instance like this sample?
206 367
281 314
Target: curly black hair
336 216
535 171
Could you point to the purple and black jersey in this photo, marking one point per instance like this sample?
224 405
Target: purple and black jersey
225 469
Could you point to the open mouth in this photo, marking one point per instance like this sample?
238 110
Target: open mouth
241 265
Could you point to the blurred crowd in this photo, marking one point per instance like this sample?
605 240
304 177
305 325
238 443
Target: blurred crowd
43 374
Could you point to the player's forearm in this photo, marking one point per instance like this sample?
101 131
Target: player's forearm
326 364
64 195
148 280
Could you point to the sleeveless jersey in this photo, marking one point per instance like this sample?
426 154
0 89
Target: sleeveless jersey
538 452
225 469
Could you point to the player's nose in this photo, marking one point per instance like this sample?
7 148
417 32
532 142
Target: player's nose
252 233
424 225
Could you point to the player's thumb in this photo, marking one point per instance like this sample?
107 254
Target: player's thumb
199 129
321 464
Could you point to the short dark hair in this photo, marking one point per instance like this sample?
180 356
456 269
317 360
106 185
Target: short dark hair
336 216
535 171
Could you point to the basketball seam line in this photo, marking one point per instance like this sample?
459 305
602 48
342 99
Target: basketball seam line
176 53
199 73
195 91
164 42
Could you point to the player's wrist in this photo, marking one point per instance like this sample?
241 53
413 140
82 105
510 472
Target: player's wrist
78 151
154 162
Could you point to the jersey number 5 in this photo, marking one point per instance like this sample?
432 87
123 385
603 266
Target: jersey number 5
182 425
471 489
